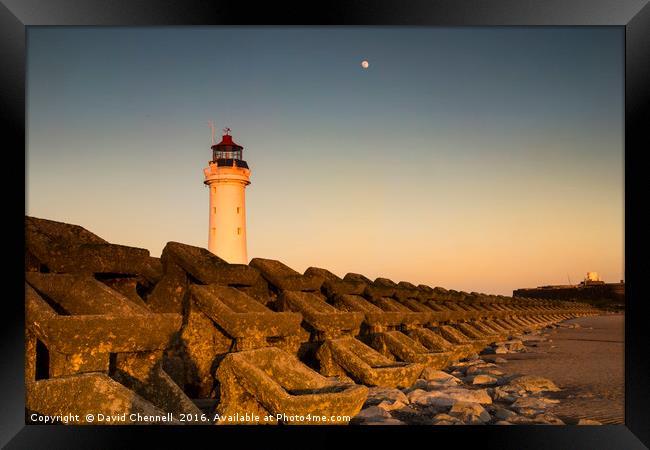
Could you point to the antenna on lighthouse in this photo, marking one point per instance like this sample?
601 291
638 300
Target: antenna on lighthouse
211 125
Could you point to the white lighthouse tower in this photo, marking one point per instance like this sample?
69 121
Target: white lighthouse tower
227 176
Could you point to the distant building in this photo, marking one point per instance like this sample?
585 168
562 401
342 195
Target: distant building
227 176
591 288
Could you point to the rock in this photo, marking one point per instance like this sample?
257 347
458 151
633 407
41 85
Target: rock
372 413
588 422
469 413
530 383
388 405
433 385
521 420
547 419
388 397
484 369
477 367
417 415
446 419
441 382
500 350
384 422
465 364
424 398
499 394
491 408
503 381
500 360
430 374
504 414
449 396
529 405
484 379
514 345
502 422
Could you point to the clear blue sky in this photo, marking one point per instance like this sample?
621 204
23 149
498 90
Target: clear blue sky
471 158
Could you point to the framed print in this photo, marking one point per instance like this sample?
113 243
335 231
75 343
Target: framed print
418 217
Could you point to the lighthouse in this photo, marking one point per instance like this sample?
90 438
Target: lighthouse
227 176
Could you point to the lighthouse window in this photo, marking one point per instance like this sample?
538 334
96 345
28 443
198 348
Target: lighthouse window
238 230
214 210
238 210
214 231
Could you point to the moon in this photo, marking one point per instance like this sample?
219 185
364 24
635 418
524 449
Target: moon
364 64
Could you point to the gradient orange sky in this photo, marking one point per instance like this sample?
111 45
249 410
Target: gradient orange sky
477 159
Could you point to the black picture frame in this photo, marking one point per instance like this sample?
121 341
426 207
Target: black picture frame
633 15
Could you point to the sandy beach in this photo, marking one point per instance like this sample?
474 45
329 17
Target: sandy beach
586 362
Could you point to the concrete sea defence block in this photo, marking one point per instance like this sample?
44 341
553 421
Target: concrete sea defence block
416 305
411 318
373 290
82 294
193 355
440 314
333 285
408 290
152 270
470 331
86 337
446 311
220 320
100 258
270 382
111 332
43 231
242 317
456 337
465 312
144 375
284 278
326 320
364 364
208 268
80 339
399 346
169 294
491 326
436 343
127 286
458 312
64 248
375 318
495 311
89 393
357 277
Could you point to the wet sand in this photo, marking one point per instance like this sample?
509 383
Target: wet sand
586 362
